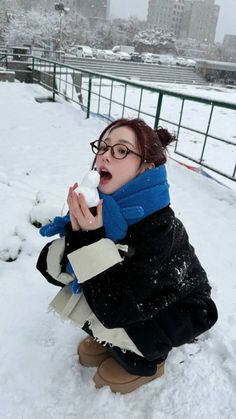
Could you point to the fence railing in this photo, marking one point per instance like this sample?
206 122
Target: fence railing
203 127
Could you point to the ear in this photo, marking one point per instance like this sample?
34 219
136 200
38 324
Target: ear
147 166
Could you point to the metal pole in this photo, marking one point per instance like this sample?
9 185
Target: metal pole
206 135
89 96
33 70
60 36
158 111
54 82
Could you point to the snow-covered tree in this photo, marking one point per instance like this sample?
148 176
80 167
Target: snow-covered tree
104 36
193 48
128 29
155 40
75 30
42 28
32 27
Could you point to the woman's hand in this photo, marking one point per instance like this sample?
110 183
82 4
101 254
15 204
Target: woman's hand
74 223
81 214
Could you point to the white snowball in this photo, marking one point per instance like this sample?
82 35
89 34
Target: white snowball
88 187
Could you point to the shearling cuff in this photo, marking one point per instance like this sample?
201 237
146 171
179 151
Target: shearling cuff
91 260
54 258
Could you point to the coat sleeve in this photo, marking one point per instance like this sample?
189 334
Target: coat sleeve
50 263
52 260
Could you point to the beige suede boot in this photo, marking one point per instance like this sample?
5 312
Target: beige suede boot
111 374
91 353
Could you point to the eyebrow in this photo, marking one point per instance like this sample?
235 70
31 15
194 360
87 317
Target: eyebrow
120 141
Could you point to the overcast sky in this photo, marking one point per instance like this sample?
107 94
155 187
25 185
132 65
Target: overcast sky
226 21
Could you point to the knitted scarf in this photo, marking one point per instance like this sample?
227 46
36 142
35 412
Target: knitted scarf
140 197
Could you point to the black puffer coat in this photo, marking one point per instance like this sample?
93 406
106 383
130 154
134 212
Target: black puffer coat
159 294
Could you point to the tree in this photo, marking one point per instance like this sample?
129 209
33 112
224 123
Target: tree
32 27
128 29
75 30
42 28
193 48
104 35
155 41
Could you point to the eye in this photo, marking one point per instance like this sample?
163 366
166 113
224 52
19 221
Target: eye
121 150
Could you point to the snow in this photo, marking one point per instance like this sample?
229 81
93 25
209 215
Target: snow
44 149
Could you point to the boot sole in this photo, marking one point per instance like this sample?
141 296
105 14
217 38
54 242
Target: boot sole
125 388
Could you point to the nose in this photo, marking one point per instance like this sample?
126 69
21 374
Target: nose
106 156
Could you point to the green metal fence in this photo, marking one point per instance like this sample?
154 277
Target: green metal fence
203 127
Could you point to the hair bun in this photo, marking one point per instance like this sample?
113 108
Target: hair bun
164 136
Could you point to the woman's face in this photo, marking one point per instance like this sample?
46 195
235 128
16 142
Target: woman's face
115 173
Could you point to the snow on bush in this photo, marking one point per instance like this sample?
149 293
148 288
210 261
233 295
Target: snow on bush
10 249
42 214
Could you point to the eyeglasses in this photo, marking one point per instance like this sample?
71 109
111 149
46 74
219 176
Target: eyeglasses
118 151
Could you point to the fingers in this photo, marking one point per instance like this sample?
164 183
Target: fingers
99 209
84 207
71 189
75 205
79 210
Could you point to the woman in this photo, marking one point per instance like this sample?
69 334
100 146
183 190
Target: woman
144 290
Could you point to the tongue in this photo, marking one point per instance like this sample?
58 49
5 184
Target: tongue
106 175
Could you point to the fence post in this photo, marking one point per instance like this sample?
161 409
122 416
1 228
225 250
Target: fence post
54 82
206 135
234 172
180 120
158 111
33 70
89 96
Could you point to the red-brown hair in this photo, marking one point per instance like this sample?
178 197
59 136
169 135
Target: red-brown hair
151 142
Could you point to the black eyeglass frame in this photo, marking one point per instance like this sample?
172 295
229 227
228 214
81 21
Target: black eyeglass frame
92 144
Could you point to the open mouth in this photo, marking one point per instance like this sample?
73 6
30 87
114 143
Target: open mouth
105 176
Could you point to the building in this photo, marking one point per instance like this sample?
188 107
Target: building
196 19
229 42
166 14
228 51
217 71
94 10
200 19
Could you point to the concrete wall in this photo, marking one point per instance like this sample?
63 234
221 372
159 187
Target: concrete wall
22 70
7 76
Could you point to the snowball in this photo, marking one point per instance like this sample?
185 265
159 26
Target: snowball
88 188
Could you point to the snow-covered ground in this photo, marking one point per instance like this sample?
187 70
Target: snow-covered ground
44 148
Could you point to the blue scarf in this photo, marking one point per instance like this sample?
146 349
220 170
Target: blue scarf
140 197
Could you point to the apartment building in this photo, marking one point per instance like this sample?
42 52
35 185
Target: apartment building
228 51
200 19
229 41
93 9
196 19
166 14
